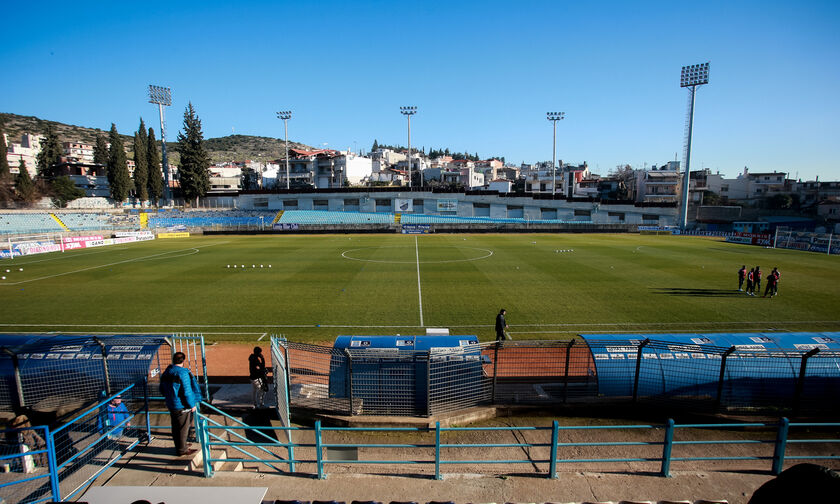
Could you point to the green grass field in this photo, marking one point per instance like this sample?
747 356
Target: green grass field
321 286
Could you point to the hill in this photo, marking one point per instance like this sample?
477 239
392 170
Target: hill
228 148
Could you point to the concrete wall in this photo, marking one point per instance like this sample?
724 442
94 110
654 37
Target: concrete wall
500 207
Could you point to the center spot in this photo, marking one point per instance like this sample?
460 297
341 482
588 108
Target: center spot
407 254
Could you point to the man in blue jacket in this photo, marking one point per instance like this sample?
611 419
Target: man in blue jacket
180 389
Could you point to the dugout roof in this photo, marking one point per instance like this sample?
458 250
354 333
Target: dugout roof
675 364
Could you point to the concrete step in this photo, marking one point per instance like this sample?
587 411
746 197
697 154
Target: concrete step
230 467
197 461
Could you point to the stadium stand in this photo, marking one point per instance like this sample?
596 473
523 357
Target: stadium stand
45 222
28 223
230 218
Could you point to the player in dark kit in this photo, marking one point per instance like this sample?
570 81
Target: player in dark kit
742 274
771 284
757 279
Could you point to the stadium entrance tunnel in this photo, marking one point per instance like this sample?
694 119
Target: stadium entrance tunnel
425 376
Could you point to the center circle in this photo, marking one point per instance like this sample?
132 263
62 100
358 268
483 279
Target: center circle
353 255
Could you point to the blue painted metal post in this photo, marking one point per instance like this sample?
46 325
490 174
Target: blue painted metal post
638 368
781 446
319 456
437 450
204 441
148 415
286 366
204 370
552 467
666 449
51 462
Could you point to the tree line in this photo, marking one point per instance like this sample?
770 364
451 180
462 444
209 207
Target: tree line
434 153
147 184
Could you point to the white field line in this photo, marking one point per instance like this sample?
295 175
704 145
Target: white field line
419 292
263 336
396 326
136 259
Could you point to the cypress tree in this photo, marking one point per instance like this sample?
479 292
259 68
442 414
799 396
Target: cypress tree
100 150
23 184
4 162
117 167
50 154
375 145
153 163
141 163
194 169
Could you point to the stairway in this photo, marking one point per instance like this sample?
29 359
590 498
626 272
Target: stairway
277 217
63 225
397 218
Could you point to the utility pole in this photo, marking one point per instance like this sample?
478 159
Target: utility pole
162 97
408 112
554 117
285 115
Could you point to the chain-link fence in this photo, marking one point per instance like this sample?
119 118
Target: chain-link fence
699 377
85 394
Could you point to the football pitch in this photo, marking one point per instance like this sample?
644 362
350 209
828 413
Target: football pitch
315 287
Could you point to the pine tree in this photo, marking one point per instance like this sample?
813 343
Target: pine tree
194 169
375 146
153 163
23 184
100 150
117 167
141 163
50 154
64 191
5 172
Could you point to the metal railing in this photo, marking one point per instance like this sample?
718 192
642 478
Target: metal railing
548 450
68 458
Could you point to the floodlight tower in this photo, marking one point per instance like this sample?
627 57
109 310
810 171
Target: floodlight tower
554 117
162 97
408 112
285 115
690 77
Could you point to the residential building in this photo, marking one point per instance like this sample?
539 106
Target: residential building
27 150
750 187
658 184
78 152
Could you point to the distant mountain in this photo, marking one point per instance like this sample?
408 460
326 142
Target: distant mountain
229 148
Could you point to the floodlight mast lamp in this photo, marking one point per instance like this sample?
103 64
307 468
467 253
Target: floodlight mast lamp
162 97
285 115
691 76
408 112
554 117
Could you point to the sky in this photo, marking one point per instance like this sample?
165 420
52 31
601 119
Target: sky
482 75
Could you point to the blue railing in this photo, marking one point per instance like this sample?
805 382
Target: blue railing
215 440
89 428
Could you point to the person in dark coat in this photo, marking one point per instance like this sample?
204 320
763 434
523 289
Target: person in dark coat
742 275
258 376
501 326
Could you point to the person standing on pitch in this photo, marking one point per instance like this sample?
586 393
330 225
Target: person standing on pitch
742 274
757 279
180 389
771 284
257 374
750 282
501 326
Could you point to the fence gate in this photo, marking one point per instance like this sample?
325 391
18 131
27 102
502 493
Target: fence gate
192 345
279 361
